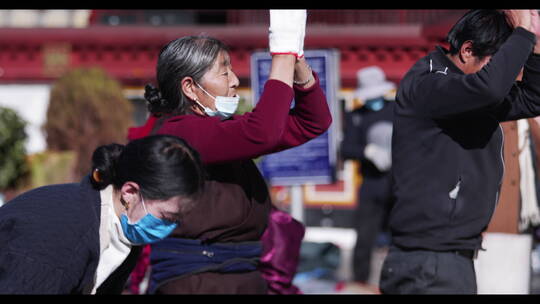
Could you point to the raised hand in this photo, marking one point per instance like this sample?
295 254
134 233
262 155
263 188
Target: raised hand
518 18
287 31
535 28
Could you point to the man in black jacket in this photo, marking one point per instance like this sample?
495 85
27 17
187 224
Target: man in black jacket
447 147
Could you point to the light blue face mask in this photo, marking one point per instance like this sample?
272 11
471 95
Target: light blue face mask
148 229
375 104
226 106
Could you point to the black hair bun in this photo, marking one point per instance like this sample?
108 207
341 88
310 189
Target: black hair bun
104 161
157 105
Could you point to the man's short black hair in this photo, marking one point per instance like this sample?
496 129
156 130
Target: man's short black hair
487 29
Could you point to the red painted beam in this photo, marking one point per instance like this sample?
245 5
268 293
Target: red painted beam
130 53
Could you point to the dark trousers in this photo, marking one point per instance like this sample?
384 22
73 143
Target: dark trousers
370 219
427 272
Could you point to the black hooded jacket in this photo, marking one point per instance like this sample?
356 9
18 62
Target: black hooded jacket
447 143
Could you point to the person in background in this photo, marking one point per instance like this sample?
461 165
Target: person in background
83 238
447 148
367 138
218 248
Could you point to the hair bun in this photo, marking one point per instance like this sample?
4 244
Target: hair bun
104 162
157 105
151 93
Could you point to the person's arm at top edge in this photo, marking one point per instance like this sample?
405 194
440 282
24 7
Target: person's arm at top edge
311 115
523 101
256 133
440 95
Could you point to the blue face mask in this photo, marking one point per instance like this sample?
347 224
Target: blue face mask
375 104
148 229
226 106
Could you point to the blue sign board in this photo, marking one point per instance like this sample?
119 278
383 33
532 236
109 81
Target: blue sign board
314 161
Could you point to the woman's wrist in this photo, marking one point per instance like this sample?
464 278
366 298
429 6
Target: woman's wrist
303 82
303 75
282 68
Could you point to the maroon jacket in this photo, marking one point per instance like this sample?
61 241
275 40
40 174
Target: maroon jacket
268 128
236 203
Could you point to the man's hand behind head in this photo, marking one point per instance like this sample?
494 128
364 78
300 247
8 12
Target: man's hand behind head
518 18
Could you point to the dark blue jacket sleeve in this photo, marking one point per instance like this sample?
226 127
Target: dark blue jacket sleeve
524 98
22 274
49 240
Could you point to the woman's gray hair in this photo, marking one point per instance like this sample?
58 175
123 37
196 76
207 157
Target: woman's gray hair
187 56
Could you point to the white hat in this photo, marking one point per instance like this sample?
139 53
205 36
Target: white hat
372 83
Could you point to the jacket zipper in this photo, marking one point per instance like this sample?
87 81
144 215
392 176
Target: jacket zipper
454 196
502 175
